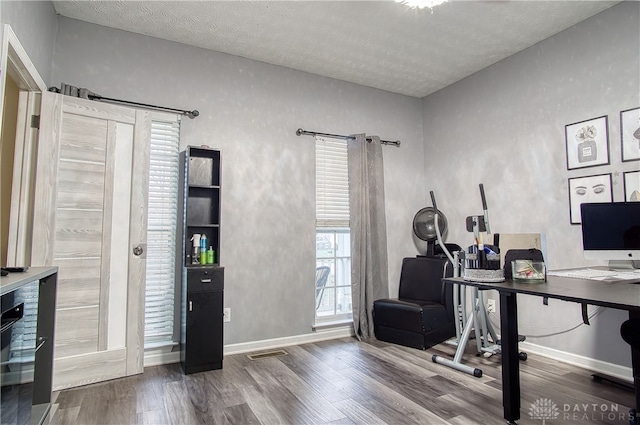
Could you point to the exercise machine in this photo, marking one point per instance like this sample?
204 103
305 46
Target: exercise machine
474 319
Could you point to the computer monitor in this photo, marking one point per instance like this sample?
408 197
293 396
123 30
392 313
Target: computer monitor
611 231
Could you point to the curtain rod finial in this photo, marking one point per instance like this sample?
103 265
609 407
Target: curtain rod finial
192 114
299 132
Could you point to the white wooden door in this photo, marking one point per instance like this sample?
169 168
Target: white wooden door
90 215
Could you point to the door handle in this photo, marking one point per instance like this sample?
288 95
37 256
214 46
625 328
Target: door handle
138 250
190 305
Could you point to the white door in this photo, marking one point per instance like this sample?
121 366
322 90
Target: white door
90 217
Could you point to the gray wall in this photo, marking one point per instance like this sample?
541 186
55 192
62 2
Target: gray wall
251 110
35 24
504 127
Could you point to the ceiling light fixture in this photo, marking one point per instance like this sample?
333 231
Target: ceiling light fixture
421 4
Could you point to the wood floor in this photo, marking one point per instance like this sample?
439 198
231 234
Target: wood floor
345 381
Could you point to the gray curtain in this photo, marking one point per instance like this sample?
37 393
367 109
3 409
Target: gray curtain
368 231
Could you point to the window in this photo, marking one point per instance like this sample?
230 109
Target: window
333 243
161 232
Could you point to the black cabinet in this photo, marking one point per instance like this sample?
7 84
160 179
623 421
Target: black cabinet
201 336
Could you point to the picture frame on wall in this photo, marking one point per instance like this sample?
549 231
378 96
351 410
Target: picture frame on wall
630 134
588 189
631 186
587 143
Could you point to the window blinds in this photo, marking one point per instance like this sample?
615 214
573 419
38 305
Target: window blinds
332 183
161 232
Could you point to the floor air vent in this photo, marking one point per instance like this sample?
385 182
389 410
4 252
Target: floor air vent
267 354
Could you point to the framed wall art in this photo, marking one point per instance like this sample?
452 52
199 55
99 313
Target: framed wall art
587 143
588 189
632 186
630 134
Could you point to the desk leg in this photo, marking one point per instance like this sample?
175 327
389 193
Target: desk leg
635 367
510 359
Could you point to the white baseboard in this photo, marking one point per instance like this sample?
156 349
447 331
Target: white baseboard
621 372
267 344
156 359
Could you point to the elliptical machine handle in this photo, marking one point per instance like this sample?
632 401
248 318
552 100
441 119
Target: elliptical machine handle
439 236
484 208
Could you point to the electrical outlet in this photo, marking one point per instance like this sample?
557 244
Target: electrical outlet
491 306
226 315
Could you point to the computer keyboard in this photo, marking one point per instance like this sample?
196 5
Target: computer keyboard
597 274
589 273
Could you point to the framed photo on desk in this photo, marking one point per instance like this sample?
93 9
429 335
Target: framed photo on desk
588 189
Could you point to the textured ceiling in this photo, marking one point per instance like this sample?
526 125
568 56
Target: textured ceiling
381 44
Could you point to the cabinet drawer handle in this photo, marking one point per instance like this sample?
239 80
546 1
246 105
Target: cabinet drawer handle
205 280
190 305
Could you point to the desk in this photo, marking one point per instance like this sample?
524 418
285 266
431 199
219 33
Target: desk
621 295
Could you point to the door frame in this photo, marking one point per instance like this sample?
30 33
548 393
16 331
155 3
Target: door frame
17 65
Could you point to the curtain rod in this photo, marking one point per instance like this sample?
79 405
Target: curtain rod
301 132
190 114
83 93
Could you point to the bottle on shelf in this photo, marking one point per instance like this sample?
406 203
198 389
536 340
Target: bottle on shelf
203 249
195 255
210 255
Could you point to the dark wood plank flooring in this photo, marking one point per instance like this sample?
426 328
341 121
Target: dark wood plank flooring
345 381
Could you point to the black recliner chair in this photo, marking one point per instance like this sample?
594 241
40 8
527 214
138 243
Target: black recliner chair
423 314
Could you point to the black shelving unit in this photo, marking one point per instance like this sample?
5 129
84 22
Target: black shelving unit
201 336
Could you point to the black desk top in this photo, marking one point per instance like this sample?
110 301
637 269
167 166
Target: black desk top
621 294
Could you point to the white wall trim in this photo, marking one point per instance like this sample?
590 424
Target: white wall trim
15 63
156 358
267 344
613 370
